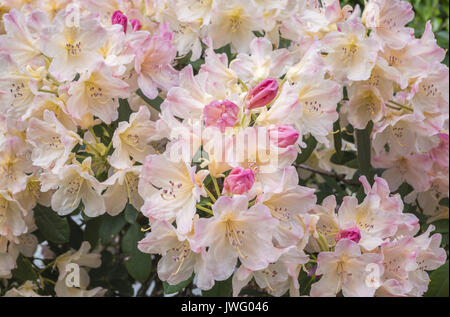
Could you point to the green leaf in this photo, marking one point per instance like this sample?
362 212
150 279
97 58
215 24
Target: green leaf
24 271
154 103
170 289
439 285
345 158
311 144
220 289
92 231
131 213
363 146
441 226
53 227
76 234
337 139
124 110
111 226
138 264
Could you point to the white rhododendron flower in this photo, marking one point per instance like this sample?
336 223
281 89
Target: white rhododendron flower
75 183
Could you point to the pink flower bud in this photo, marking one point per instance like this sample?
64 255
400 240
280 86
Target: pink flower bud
239 181
119 18
136 24
262 94
221 114
352 234
283 135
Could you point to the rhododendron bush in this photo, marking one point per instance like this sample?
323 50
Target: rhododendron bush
223 148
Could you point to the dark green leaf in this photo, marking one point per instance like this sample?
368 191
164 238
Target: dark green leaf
345 158
170 289
76 234
337 139
138 264
124 110
363 146
441 226
154 103
311 144
220 289
111 226
24 271
439 285
53 227
131 213
92 231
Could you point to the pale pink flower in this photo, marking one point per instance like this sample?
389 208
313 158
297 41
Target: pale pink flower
188 99
131 139
318 98
429 94
377 217
237 232
287 201
233 22
399 259
178 260
387 20
83 258
399 131
122 188
96 93
13 218
440 153
18 89
19 41
170 190
277 278
52 142
27 289
153 63
262 63
416 59
72 48
406 261
7 264
351 55
414 169
14 165
220 77
286 103
75 183
345 269
365 104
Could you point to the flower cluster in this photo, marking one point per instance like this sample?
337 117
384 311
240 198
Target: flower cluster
98 113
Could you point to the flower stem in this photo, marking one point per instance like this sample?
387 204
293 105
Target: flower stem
216 186
401 106
209 211
210 194
48 91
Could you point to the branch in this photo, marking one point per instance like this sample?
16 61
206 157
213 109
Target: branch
144 287
338 177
